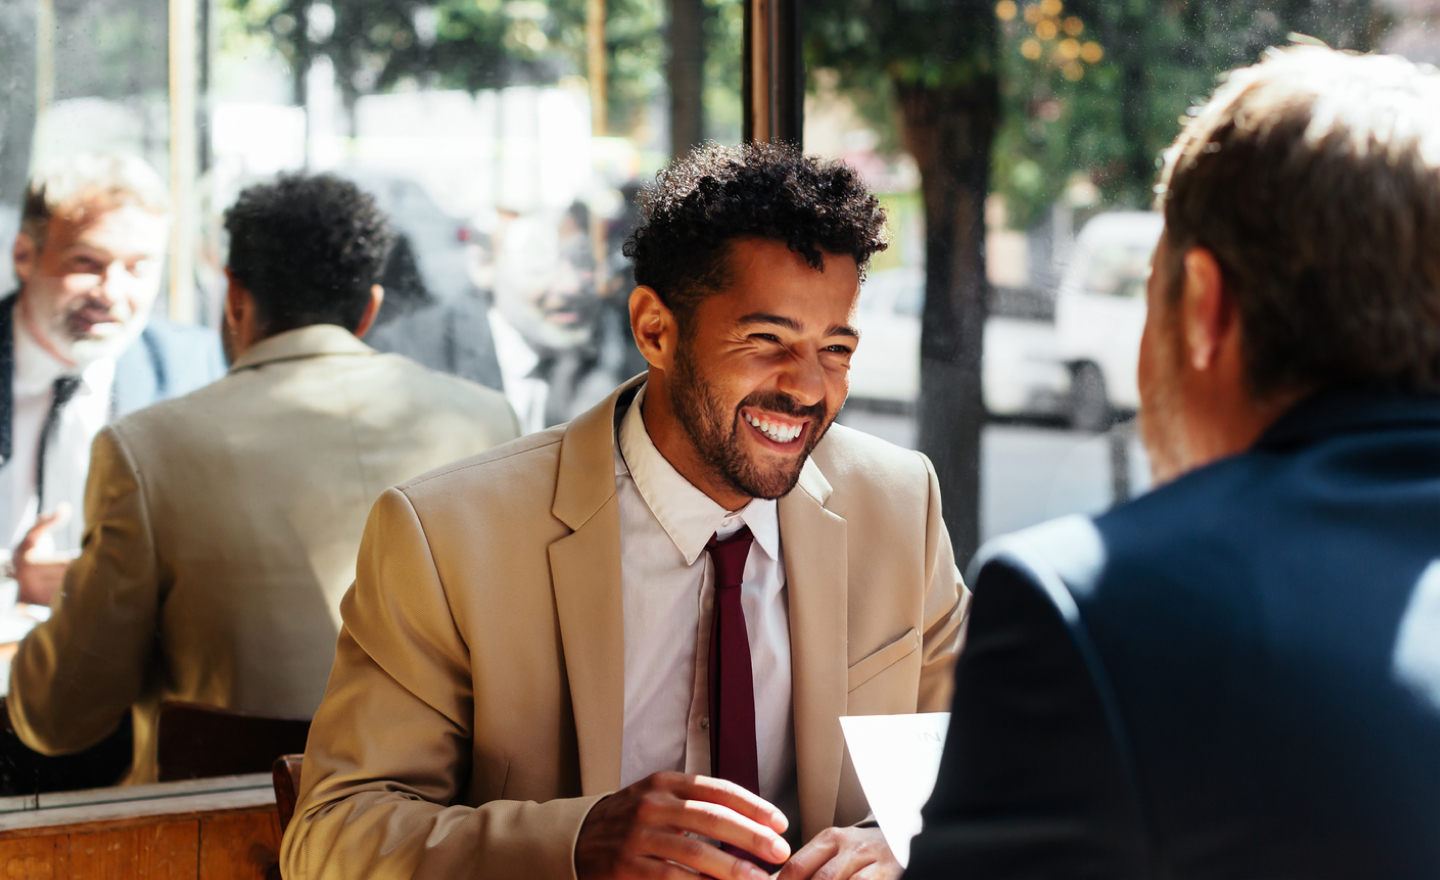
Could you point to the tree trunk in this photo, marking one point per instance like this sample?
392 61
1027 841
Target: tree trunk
687 75
1139 161
949 131
1123 29
301 67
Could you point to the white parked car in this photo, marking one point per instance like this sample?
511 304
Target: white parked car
1100 313
1021 374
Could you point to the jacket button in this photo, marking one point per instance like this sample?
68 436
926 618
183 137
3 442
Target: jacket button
705 722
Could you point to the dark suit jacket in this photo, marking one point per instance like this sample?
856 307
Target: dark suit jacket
168 360
1237 675
452 336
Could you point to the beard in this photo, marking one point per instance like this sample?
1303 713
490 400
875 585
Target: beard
714 431
80 342
1162 430
88 350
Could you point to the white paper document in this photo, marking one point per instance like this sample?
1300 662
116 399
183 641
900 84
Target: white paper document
897 758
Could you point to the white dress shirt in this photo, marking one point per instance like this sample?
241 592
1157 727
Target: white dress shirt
67 459
668 588
527 394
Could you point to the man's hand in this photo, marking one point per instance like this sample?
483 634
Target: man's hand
841 854
38 572
636 831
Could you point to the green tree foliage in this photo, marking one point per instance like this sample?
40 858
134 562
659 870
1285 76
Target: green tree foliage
381 45
1095 87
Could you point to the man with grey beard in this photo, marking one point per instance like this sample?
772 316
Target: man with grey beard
1238 675
78 348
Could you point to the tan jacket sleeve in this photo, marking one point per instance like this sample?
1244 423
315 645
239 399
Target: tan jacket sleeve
76 675
947 608
390 747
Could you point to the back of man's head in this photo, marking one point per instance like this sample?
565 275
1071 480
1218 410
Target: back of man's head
308 249
1314 179
80 186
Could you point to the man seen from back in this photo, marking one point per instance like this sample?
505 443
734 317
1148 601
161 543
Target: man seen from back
1238 674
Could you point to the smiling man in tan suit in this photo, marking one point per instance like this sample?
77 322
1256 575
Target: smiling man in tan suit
628 640
222 527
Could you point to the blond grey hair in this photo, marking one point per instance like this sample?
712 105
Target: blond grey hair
1314 179
76 185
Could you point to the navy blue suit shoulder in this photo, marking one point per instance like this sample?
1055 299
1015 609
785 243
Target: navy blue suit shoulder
1231 676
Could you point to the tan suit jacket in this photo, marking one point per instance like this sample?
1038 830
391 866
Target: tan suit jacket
475 711
221 532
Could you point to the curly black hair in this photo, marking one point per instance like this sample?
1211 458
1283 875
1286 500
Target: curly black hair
717 194
308 248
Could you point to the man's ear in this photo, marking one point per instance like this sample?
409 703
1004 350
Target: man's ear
1207 310
657 333
237 300
367 320
23 256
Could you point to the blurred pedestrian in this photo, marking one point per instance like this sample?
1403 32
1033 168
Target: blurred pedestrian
545 318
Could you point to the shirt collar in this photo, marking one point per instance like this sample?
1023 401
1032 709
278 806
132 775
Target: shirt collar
1330 412
313 340
688 515
511 348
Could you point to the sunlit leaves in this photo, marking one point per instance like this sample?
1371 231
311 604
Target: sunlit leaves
379 45
1100 101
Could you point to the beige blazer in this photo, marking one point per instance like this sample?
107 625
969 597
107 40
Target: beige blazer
221 532
475 710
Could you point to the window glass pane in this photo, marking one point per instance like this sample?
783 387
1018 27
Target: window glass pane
508 146
506 139
1015 145
77 76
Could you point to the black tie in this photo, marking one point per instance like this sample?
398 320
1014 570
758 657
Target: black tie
65 388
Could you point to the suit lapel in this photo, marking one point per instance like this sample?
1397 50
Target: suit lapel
585 567
585 571
814 543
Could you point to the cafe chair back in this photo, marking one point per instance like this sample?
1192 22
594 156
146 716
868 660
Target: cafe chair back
286 774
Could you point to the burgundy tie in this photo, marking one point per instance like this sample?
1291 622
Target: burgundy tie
732 683
732 686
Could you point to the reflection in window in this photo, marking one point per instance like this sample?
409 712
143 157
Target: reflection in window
479 125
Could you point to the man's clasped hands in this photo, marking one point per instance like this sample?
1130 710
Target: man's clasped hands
663 827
